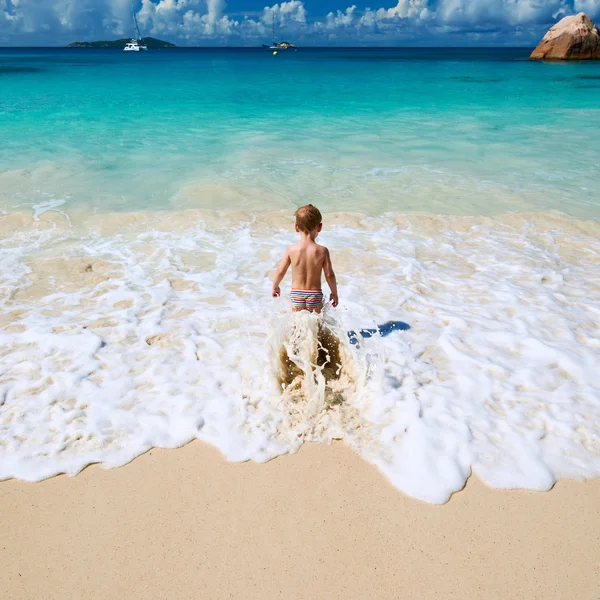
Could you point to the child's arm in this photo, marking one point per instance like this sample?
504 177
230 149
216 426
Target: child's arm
330 277
280 273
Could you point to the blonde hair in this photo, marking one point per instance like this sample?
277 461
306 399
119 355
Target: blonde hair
308 218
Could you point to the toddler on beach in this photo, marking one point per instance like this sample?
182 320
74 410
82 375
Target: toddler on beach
308 260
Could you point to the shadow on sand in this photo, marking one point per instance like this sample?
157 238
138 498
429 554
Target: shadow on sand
383 330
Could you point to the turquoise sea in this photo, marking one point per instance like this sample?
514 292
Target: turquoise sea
146 199
458 131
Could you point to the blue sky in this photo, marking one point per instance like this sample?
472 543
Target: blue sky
306 22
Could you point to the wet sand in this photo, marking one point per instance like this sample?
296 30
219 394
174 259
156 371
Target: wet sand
319 524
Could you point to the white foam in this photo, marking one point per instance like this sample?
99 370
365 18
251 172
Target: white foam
48 205
130 332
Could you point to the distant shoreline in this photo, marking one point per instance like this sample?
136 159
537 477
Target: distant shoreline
120 44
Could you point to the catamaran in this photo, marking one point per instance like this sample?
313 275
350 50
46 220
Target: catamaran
279 45
135 45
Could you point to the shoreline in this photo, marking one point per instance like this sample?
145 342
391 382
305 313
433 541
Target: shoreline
41 216
188 524
132 331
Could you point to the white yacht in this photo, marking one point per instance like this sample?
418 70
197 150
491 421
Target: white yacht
135 45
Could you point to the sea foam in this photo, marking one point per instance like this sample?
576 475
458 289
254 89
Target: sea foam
119 333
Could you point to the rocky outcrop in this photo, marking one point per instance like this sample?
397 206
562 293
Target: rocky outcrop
572 38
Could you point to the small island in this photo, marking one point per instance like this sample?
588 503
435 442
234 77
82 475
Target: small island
150 42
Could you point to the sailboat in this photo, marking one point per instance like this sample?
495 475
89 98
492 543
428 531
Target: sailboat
279 45
135 45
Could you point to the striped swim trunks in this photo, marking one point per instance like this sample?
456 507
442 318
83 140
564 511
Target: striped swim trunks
306 299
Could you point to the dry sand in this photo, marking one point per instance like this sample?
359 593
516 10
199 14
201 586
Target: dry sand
319 524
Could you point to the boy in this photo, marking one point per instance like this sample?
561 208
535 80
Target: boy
308 260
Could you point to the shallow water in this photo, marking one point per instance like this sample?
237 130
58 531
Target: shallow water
371 130
145 205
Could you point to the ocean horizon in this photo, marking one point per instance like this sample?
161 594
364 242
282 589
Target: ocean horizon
261 47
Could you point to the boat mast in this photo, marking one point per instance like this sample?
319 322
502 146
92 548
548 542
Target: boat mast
137 29
274 42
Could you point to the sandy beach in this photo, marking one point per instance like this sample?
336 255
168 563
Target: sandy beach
170 430
318 524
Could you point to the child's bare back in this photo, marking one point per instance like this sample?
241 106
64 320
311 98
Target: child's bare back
308 260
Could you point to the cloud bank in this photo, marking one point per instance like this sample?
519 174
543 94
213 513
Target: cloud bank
207 22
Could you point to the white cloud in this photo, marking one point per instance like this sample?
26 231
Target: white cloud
381 18
285 13
500 12
186 19
195 21
118 17
590 7
407 9
340 19
208 22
